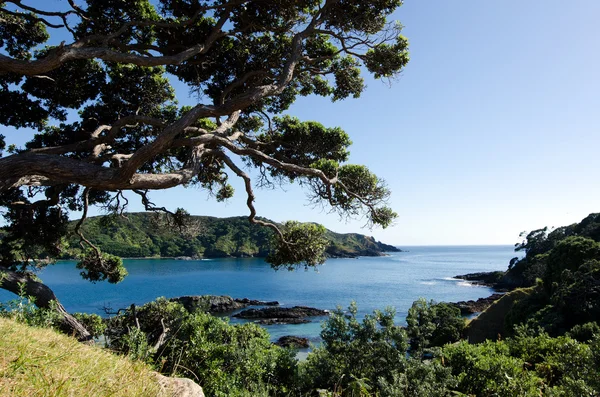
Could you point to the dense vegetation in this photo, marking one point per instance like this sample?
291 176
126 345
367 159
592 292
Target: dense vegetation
550 344
143 235
550 341
368 357
561 270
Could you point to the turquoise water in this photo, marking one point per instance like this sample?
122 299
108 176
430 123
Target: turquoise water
374 283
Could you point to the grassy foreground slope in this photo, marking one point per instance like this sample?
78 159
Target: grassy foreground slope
141 235
42 362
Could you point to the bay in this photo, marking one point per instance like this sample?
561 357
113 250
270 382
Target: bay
373 282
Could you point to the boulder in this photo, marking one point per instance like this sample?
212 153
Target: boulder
178 387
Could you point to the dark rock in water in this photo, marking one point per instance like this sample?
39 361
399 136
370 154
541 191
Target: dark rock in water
294 342
495 280
470 307
253 302
217 304
273 321
282 312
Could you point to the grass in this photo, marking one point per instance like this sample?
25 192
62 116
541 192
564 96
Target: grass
42 362
489 325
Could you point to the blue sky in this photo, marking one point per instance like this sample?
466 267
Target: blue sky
492 129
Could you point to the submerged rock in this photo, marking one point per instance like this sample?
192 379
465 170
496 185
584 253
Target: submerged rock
294 342
282 312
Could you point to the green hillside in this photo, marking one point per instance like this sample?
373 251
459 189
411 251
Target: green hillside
143 235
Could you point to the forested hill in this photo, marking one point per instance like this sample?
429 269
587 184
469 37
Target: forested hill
141 236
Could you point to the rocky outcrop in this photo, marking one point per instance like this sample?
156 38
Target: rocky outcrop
178 387
471 307
294 342
281 313
218 304
494 280
278 321
254 302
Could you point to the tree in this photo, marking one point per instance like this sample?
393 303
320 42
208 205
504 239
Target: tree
431 324
246 60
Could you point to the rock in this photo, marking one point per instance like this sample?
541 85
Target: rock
470 307
494 280
253 302
282 312
218 304
295 342
273 321
178 387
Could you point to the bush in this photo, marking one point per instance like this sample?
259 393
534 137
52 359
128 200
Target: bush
367 352
585 332
487 369
227 360
433 324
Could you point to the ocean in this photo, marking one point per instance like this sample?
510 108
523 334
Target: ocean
372 282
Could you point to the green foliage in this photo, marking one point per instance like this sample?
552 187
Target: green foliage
420 378
385 58
318 142
23 310
584 332
92 322
231 360
140 236
569 254
432 324
566 262
367 351
302 244
488 369
99 267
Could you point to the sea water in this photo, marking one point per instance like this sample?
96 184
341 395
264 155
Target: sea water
372 282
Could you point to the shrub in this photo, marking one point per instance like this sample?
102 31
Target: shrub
433 324
367 351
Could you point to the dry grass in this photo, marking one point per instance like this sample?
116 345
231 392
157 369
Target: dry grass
41 362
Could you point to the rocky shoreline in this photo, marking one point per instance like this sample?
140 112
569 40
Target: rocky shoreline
496 280
270 313
470 307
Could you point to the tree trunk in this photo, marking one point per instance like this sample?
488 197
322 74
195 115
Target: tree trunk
18 283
